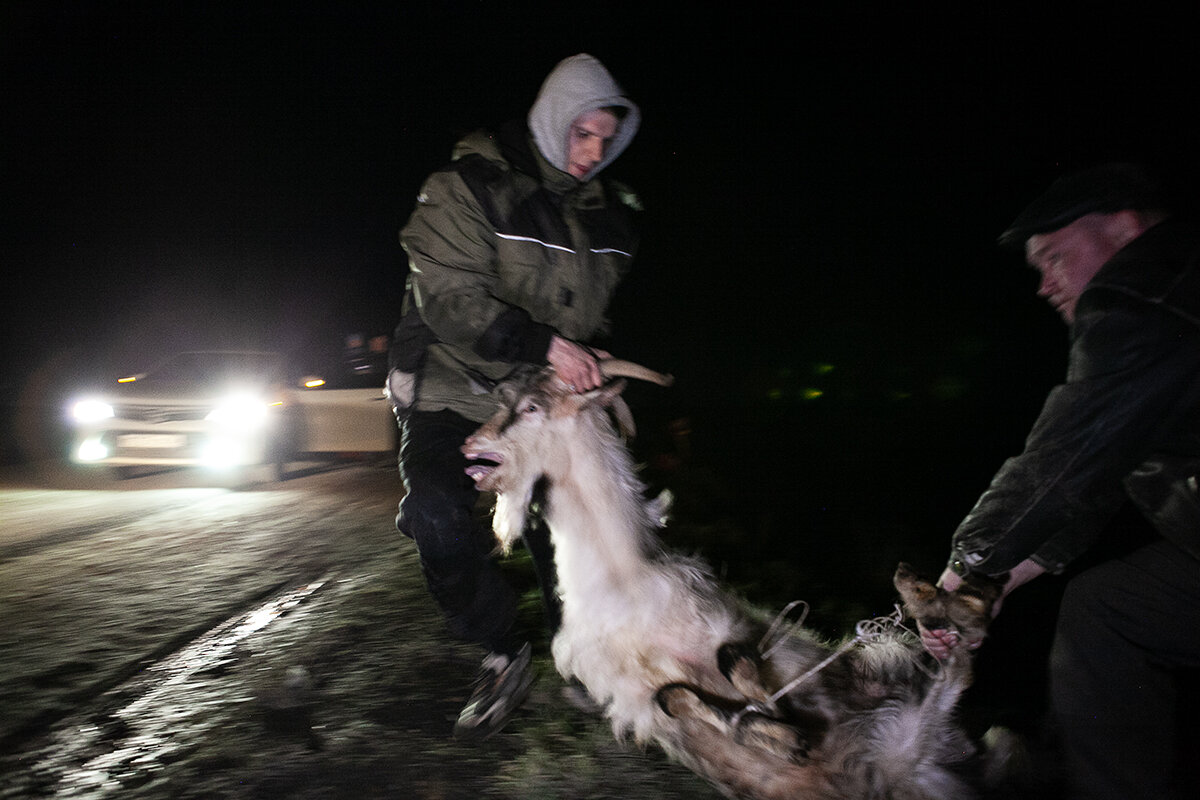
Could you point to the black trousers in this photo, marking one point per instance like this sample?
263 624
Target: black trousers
455 546
1128 632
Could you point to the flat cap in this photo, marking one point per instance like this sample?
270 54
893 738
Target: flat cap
1102 189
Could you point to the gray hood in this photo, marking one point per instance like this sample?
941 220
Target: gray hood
577 85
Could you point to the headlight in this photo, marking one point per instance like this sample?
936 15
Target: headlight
239 412
91 411
91 449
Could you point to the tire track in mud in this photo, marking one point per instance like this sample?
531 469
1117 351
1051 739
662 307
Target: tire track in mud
77 748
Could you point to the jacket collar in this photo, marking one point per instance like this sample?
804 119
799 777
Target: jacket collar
519 150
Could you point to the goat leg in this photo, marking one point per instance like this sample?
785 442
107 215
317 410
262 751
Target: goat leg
751 729
739 664
760 758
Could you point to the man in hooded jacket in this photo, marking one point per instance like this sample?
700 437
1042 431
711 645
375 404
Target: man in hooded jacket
515 250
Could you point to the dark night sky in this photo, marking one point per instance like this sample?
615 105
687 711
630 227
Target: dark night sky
820 185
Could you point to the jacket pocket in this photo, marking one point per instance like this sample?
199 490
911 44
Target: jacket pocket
1166 491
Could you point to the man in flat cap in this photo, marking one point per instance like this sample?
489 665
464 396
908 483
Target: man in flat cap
1123 426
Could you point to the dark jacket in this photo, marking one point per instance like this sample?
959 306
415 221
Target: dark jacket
507 249
1125 424
504 252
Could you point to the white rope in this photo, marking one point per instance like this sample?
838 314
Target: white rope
777 623
868 630
792 684
865 631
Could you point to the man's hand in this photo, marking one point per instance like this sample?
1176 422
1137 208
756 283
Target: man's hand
575 364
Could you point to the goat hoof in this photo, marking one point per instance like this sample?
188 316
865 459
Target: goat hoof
673 699
677 700
740 665
740 658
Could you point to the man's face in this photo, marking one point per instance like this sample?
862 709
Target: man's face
588 139
1068 258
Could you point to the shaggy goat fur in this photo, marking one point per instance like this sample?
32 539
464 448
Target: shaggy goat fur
679 661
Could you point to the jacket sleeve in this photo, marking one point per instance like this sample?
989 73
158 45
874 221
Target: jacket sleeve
1132 372
453 272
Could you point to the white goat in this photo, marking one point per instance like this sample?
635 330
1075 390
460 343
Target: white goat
677 660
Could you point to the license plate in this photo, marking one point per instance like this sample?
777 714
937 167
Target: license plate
160 441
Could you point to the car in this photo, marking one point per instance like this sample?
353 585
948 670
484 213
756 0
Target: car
337 412
233 409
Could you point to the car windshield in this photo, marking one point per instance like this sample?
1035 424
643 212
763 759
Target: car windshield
217 367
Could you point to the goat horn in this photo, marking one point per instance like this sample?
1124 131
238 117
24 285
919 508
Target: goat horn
624 417
616 368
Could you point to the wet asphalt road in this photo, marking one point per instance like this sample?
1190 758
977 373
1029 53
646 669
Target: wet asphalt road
175 636
132 585
100 576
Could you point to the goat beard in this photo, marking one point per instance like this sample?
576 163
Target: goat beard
509 514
